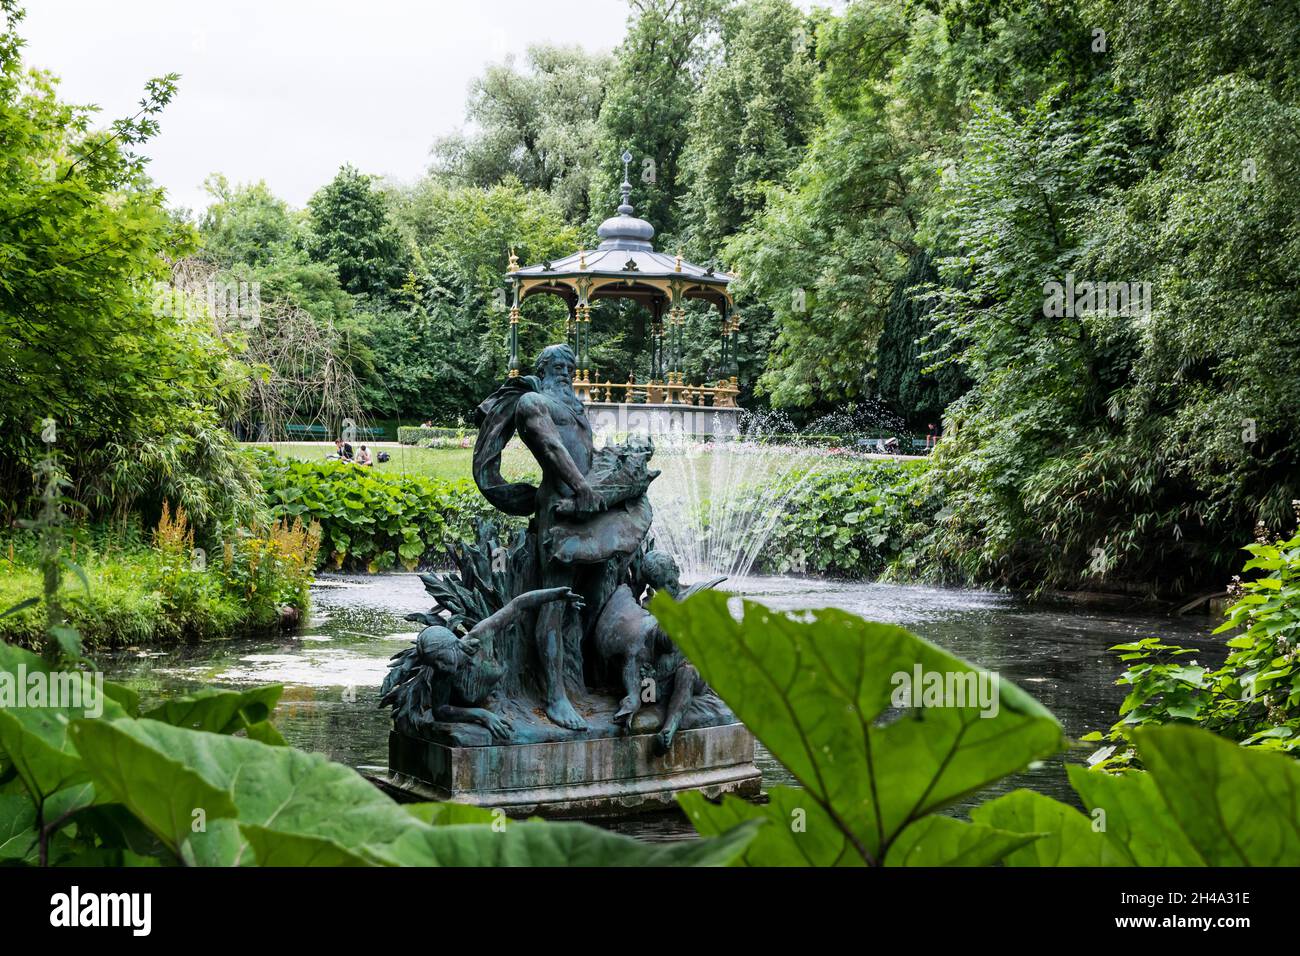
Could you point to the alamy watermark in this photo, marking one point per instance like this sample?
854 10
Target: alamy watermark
74 908
76 690
922 688
1069 299
238 301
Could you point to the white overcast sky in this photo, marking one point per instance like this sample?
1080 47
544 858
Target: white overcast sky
289 90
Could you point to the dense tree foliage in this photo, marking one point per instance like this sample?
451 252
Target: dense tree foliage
538 125
750 119
130 395
907 336
647 107
349 228
457 320
1136 148
1064 226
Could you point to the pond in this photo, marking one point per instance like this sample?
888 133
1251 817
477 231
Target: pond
332 669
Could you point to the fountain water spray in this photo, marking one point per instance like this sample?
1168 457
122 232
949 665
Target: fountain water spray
720 496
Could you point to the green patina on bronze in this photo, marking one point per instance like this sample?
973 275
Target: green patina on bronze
545 640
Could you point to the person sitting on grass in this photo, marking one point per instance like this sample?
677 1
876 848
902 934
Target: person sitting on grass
364 457
342 450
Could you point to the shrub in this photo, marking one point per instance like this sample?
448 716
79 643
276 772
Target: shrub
853 521
1254 697
419 435
164 591
371 520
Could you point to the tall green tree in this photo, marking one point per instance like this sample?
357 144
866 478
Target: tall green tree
906 350
750 120
247 225
832 240
457 308
349 228
537 124
647 108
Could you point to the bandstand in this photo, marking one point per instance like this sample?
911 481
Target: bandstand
625 265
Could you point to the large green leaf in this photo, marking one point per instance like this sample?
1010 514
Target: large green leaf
17 826
558 844
171 799
938 840
1065 836
798 833
35 739
280 806
219 711
128 698
816 690
274 848
1134 815
1237 806
165 774
266 732
221 842
1203 801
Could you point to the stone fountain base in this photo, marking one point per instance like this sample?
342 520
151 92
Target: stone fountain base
578 777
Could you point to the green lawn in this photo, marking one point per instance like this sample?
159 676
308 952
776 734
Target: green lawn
446 463
517 463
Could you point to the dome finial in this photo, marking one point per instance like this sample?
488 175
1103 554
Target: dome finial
626 189
625 231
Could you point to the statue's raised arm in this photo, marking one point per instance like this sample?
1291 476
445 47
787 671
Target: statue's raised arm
488 628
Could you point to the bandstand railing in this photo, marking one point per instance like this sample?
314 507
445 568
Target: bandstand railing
673 391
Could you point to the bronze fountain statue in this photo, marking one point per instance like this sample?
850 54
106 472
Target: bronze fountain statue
541 683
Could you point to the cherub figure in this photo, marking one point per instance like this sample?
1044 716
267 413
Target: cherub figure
629 638
444 677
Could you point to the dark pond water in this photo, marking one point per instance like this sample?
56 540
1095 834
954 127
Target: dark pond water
332 670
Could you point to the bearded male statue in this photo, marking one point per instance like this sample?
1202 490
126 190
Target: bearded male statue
583 534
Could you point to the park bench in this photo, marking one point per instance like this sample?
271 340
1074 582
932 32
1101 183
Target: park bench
321 432
306 431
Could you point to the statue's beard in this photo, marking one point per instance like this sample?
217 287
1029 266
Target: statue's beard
561 391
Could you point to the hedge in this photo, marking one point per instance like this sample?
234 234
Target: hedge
419 435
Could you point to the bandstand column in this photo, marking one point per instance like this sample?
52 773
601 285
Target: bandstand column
679 355
735 346
723 365
583 330
571 327
514 333
657 343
